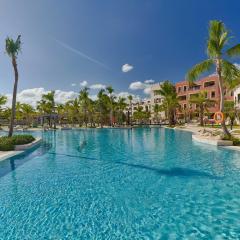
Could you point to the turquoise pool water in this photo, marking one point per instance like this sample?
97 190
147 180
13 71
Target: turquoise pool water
121 184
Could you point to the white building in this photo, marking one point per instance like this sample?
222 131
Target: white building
237 97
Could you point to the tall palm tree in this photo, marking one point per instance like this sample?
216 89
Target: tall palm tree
228 73
202 104
121 105
12 50
110 91
170 102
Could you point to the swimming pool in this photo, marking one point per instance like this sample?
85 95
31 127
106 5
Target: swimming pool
121 184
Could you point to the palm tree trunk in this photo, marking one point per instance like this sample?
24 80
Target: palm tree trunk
13 115
220 82
201 115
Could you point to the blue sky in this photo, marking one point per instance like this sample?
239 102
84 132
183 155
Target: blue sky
70 41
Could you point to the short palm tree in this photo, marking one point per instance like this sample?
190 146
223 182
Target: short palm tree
202 103
110 91
170 102
3 101
84 101
12 50
228 73
130 99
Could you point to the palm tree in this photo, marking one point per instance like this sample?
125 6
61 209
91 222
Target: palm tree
27 112
202 104
170 102
12 50
47 106
130 98
84 101
228 73
156 110
101 104
110 91
230 112
121 105
3 101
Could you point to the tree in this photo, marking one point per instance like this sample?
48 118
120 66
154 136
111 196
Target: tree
110 91
141 116
12 49
202 104
230 112
84 102
3 101
170 102
101 104
121 105
130 98
47 106
156 110
27 112
228 73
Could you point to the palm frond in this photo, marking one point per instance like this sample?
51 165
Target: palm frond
234 51
231 74
198 69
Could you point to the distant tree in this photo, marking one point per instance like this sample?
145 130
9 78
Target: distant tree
170 102
230 112
202 104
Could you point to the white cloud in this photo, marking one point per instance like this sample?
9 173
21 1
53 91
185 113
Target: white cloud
147 90
145 86
127 68
149 81
137 85
33 95
83 83
73 84
237 65
98 86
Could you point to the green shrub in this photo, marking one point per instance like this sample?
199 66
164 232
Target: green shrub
22 139
236 141
7 144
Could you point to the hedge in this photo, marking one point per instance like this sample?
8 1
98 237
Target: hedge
8 143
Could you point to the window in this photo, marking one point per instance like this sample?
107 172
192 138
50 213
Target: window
185 88
184 106
238 98
182 98
179 89
206 95
213 95
209 84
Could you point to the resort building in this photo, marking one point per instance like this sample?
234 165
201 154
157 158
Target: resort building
237 97
209 85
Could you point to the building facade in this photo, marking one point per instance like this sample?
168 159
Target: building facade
237 97
209 85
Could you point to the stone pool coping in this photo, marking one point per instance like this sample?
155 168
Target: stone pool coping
19 149
215 142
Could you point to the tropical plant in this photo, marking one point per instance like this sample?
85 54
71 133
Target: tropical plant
46 106
110 91
170 102
228 74
84 102
130 99
12 49
202 104
141 116
230 112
